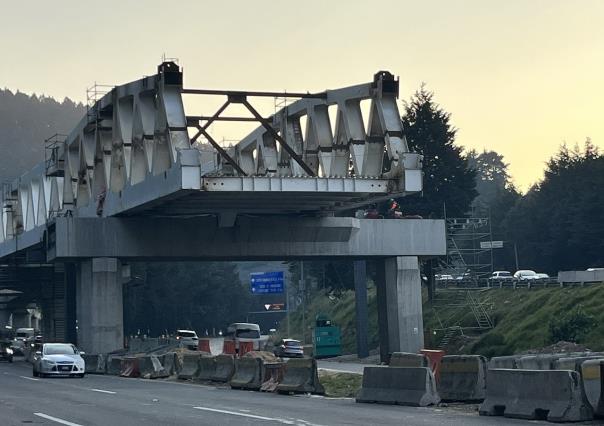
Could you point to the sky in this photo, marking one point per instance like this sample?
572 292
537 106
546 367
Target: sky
520 77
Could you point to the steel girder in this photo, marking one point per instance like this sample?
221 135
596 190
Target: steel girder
132 150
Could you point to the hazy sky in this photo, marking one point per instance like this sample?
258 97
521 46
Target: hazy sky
519 77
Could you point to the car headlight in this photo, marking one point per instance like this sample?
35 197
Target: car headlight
9 351
48 362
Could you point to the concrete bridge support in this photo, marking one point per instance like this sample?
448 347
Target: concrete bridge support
99 305
399 297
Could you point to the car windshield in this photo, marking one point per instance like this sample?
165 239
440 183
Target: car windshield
246 333
505 274
59 350
292 343
22 334
186 334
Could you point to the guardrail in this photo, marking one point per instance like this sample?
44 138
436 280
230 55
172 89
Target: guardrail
513 284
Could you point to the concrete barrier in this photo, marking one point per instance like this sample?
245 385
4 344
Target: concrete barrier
170 363
204 346
573 363
95 364
301 376
407 359
591 371
553 395
507 362
224 368
114 365
462 378
188 366
414 386
206 368
248 374
130 367
273 373
537 362
150 367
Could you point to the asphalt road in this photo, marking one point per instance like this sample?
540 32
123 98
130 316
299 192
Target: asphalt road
115 401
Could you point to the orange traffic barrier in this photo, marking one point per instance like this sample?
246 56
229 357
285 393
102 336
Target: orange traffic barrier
434 357
245 347
228 347
204 345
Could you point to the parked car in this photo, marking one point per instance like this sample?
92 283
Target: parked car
525 275
289 348
187 339
501 276
6 353
59 359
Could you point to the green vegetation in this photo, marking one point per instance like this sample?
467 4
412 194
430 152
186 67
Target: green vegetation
523 319
341 384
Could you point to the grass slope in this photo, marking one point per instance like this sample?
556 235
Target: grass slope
521 317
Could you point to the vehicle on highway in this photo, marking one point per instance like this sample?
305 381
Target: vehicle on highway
289 348
187 339
501 276
525 275
542 276
6 353
59 359
21 337
443 277
244 332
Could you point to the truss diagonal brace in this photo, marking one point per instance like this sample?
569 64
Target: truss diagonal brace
201 129
221 150
293 154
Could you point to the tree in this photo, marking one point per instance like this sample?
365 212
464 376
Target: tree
558 224
448 181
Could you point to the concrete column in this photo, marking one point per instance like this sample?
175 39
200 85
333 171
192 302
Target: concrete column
399 306
362 316
99 309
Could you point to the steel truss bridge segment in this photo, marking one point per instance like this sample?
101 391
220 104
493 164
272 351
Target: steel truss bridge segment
132 154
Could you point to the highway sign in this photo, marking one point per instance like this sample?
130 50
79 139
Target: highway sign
491 244
274 306
267 282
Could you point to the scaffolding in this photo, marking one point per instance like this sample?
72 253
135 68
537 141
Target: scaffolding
467 260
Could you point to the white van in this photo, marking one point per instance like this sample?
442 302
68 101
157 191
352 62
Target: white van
244 332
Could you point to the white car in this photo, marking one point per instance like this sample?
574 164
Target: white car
542 276
187 339
526 275
501 276
59 359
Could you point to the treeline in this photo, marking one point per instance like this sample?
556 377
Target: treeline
25 122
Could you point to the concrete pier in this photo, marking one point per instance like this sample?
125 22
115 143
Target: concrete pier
99 305
399 297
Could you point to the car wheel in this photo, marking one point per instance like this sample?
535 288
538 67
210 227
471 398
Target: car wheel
81 376
10 359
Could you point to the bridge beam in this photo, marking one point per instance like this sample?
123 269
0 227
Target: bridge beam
399 297
99 305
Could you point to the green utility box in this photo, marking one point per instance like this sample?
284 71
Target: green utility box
326 338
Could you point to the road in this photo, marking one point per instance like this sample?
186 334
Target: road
115 401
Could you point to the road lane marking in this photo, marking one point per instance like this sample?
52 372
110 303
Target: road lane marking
29 378
54 419
103 391
253 416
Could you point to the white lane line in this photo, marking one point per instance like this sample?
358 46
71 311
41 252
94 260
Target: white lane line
103 391
29 378
54 419
253 416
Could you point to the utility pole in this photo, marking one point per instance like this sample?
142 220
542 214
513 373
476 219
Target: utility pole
287 306
516 255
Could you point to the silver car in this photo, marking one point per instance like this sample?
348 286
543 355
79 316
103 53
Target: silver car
59 359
